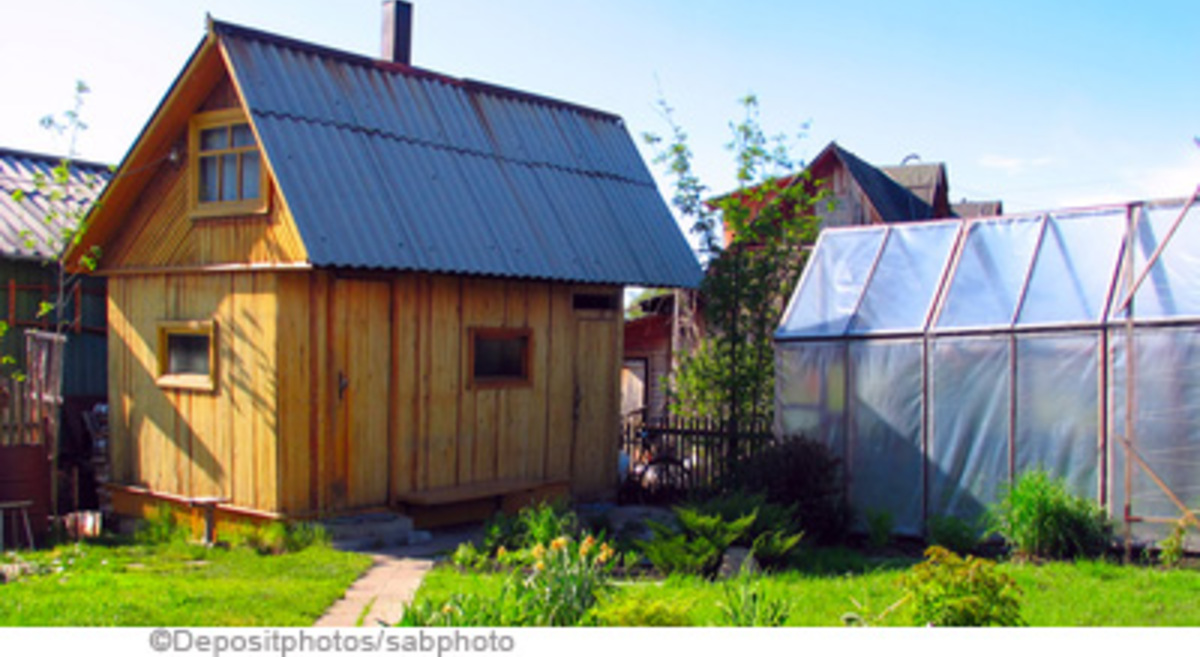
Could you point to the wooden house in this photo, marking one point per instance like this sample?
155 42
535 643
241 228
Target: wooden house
25 279
32 217
338 283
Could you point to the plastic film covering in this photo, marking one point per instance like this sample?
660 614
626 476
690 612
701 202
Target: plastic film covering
1058 408
1166 421
832 284
885 453
810 386
968 447
1172 289
1075 267
991 272
902 288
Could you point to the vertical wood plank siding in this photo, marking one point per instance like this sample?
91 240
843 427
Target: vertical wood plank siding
439 432
190 442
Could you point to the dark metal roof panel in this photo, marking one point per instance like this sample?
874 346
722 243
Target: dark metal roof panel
23 229
384 166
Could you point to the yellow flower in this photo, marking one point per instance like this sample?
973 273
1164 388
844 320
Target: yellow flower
606 553
447 609
558 543
500 552
586 546
539 551
539 566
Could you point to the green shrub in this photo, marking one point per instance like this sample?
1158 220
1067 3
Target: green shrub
879 528
803 474
772 536
542 523
642 611
954 534
747 603
533 525
1171 549
1038 517
696 547
502 530
948 591
773 550
468 557
160 526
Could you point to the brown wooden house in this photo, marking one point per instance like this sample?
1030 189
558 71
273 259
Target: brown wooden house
339 283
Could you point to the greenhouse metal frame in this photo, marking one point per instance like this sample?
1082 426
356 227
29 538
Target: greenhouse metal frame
940 359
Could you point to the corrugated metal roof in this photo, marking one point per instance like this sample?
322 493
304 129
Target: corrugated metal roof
23 229
391 167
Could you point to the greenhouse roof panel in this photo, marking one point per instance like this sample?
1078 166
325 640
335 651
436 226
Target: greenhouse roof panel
903 286
832 284
1057 269
1171 289
1074 269
991 272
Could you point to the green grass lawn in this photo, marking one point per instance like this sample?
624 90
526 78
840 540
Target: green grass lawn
176 584
1081 594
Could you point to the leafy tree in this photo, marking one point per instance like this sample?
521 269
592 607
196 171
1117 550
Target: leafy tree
65 211
754 243
67 202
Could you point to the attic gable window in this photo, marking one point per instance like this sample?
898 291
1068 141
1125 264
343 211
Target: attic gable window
227 172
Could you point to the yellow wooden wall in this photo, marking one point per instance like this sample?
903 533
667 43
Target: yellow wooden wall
160 232
188 442
435 431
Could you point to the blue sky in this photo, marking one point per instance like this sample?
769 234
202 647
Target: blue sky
1040 104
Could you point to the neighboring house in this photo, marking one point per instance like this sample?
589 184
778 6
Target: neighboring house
863 194
26 280
339 283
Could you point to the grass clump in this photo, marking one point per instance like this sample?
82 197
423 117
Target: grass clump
1039 518
747 602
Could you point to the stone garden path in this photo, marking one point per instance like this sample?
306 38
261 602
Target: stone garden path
389 584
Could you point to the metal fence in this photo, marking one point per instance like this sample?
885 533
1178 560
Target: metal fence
672 457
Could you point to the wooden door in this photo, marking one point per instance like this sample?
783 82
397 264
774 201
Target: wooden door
360 343
597 428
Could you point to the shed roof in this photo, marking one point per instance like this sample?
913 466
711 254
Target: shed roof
387 166
23 228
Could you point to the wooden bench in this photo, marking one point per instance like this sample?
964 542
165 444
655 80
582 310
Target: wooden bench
449 505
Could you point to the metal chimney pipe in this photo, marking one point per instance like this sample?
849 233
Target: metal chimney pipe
397 31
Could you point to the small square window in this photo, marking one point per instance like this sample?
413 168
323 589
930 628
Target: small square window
500 357
187 355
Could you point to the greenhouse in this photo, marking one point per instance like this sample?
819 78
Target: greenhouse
940 359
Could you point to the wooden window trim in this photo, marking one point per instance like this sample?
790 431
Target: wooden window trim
198 382
488 333
208 209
